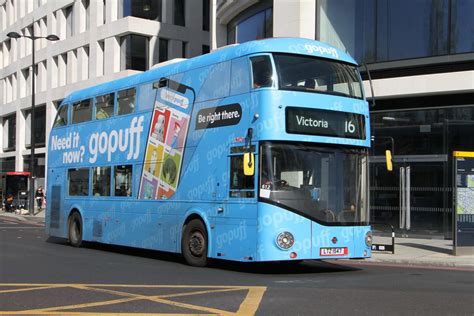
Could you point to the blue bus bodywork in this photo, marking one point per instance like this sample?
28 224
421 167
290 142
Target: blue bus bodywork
138 178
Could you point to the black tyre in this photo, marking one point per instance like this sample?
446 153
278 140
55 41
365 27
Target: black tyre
75 229
194 243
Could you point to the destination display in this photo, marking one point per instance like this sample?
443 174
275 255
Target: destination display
325 123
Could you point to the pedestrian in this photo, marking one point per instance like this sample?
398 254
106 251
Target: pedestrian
9 203
39 196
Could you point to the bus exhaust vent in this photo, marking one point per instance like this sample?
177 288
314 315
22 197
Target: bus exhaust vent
55 206
97 229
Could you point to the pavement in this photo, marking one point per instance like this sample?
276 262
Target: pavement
408 251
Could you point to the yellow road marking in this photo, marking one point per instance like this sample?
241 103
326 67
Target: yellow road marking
250 304
134 285
248 307
30 289
99 314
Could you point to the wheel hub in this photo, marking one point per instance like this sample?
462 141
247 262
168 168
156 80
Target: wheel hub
196 244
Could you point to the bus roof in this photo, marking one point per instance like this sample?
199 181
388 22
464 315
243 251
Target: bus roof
272 45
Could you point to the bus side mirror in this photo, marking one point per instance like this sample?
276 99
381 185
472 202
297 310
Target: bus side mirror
388 159
249 164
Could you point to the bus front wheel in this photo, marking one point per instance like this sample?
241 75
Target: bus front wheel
194 243
75 229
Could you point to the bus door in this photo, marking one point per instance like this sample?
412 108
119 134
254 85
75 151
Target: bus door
236 218
414 197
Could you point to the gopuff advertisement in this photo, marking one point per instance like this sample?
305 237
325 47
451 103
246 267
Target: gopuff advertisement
166 142
120 141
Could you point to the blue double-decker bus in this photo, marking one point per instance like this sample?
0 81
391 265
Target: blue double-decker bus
255 152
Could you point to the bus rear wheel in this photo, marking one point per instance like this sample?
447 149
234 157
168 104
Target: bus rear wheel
194 243
75 229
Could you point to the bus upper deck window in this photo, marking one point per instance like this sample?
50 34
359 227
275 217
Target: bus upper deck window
262 71
126 101
81 111
104 106
61 117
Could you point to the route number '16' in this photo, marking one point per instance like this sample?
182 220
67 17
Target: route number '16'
350 127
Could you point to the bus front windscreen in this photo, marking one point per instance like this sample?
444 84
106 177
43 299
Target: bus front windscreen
317 75
325 184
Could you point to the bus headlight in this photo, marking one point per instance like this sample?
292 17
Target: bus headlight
368 239
285 240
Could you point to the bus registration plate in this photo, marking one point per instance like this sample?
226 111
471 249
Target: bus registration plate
333 251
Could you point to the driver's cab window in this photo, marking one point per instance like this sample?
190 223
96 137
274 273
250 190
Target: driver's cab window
262 72
241 186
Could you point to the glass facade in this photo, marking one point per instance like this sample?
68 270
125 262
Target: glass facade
257 26
423 141
380 30
436 131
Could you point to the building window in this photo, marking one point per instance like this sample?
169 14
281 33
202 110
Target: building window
9 133
81 111
257 26
68 13
123 180
100 59
184 49
7 164
205 49
39 164
145 9
104 106
179 12
78 180
163 50
134 52
40 127
101 181
206 15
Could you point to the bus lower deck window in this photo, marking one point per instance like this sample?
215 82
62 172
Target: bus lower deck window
78 182
123 180
101 181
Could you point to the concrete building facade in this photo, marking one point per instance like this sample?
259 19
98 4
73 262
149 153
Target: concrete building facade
99 41
421 58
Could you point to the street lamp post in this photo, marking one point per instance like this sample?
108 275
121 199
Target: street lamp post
51 37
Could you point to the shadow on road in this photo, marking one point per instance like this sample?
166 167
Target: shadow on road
271 268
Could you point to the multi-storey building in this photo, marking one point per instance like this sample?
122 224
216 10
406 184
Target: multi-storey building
100 40
421 58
